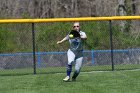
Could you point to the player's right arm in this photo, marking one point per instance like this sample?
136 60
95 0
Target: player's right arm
64 39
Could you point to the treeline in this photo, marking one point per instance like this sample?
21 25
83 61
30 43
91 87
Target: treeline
67 8
18 37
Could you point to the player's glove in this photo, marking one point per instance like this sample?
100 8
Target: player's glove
74 33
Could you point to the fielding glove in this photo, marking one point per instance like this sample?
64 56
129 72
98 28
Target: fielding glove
74 33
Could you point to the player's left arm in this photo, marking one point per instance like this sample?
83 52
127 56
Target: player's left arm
83 35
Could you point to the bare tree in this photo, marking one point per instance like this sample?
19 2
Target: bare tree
122 12
66 8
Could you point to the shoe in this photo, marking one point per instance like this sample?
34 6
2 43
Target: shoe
73 79
67 78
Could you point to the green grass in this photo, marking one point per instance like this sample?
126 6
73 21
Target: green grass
127 81
48 70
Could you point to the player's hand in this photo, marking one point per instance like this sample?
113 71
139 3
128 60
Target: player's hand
58 42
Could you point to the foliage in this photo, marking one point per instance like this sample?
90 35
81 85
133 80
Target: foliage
126 39
18 37
5 39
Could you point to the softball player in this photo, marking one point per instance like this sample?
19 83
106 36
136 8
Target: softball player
75 52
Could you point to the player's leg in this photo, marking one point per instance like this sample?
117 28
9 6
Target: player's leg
77 68
71 57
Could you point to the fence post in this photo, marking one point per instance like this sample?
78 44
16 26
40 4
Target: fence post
33 43
111 44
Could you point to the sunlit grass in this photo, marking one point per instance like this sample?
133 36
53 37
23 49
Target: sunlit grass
50 70
93 82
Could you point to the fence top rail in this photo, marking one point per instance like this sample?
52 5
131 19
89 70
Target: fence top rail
69 19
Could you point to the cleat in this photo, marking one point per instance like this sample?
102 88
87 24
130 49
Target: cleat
66 79
73 79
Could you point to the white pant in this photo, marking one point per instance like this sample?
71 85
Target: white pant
72 58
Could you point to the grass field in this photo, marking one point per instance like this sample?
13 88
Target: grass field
48 70
125 81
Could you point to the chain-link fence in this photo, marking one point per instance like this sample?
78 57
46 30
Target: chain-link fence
31 47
